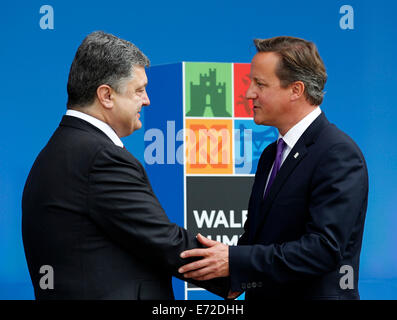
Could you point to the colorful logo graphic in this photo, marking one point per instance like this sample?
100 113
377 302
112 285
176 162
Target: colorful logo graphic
221 146
208 89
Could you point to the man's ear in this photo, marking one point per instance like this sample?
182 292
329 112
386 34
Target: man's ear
104 94
297 90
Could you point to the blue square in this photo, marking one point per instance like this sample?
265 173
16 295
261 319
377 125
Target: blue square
250 140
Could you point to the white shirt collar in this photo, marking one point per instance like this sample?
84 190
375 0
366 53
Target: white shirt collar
293 134
104 127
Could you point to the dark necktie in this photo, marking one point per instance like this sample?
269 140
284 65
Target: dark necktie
277 163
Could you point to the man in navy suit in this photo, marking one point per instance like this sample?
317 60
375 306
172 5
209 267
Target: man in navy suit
307 208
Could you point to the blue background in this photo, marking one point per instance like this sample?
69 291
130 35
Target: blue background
360 97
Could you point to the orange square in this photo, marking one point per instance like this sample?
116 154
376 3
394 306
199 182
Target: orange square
209 146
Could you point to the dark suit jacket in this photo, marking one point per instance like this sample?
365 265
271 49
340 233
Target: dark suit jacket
89 212
311 223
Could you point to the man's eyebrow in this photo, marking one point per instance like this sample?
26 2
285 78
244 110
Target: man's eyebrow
257 79
143 85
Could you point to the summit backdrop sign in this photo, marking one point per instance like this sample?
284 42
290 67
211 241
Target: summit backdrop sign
200 128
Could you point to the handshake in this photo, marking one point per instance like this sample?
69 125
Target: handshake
94 201
214 262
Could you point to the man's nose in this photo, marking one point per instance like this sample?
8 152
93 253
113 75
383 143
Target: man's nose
146 100
250 94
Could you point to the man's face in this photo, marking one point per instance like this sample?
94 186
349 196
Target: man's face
127 105
270 100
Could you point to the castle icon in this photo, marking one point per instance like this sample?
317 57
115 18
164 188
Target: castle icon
208 94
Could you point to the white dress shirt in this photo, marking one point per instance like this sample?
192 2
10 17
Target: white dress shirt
104 127
293 135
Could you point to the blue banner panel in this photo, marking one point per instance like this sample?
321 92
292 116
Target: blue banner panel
163 154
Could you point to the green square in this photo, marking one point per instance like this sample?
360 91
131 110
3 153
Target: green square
208 89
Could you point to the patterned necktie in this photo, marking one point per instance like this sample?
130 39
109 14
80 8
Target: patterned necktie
276 167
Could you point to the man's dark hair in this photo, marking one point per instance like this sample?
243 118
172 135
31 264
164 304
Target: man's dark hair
101 58
299 61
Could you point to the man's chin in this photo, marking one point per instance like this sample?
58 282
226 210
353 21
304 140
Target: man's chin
262 122
257 120
138 125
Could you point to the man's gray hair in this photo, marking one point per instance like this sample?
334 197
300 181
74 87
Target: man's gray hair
102 58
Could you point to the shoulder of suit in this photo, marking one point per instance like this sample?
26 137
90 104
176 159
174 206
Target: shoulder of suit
118 154
91 141
332 136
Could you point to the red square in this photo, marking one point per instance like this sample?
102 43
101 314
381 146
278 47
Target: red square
242 106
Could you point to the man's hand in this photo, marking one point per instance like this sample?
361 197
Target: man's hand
215 262
234 295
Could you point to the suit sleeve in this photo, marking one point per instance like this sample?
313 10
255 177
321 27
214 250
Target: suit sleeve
122 203
337 202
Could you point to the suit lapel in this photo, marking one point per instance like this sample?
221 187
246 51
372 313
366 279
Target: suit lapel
296 155
264 166
268 160
286 169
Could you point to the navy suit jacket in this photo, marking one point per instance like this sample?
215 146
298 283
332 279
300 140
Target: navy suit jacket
304 239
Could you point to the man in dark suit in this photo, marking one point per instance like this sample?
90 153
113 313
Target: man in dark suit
308 203
89 212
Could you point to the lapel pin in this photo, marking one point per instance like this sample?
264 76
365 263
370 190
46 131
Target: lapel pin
296 155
